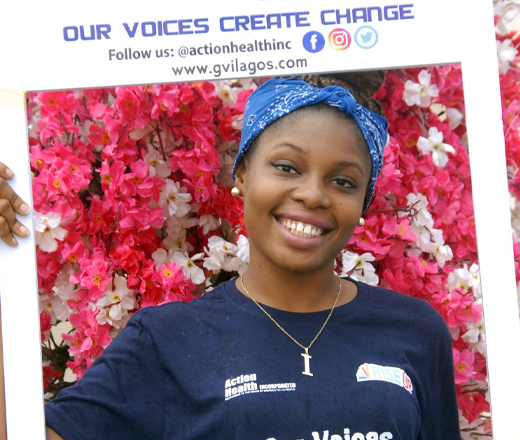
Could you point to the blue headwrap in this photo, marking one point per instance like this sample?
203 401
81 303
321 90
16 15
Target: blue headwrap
278 97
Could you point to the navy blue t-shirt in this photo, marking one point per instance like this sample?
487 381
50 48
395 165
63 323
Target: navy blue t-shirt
218 368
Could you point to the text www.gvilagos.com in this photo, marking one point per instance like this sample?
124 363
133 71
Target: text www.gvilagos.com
236 66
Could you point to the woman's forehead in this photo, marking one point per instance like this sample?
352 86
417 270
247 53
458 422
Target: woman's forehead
304 130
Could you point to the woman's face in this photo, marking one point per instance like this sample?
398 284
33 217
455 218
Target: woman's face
303 190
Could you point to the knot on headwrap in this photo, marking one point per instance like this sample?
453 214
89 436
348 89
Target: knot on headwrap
278 97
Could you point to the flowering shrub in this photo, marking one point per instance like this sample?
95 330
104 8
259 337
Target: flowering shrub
133 208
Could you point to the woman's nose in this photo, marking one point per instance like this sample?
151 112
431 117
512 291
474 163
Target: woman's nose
312 193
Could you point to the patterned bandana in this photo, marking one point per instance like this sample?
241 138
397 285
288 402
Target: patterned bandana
278 97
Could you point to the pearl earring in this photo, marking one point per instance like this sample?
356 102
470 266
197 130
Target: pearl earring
235 192
361 221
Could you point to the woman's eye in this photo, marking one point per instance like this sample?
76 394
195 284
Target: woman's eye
346 183
285 168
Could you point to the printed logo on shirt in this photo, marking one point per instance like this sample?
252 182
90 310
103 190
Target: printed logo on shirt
326 435
393 375
248 384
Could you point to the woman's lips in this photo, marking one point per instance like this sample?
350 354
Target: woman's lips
301 240
301 229
306 219
303 225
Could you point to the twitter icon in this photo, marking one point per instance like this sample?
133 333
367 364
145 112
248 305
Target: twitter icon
366 37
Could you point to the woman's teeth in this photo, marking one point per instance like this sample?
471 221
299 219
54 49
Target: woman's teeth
301 229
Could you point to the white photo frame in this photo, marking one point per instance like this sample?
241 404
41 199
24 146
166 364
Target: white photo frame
49 46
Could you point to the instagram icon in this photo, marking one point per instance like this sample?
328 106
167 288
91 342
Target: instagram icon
339 39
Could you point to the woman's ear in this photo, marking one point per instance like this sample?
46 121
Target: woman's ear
240 175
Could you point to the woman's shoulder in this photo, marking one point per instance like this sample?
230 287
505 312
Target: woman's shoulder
396 306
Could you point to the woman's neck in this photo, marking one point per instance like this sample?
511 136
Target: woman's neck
294 291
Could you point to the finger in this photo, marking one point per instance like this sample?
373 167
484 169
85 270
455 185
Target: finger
7 193
14 226
5 233
5 171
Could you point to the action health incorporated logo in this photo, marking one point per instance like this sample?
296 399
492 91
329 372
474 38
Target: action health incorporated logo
313 41
339 39
366 37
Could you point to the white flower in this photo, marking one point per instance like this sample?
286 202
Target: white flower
190 269
48 230
157 166
474 332
506 54
225 91
418 201
443 254
208 223
352 260
243 248
63 287
437 247
241 261
220 255
238 122
213 262
50 305
474 281
366 277
359 268
435 146
465 278
176 198
420 93
506 10
115 304
420 219
219 245
515 216
179 244
454 116
247 83
65 291
176 227
160 256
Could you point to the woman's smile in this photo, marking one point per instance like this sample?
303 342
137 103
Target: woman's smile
303 224
301 229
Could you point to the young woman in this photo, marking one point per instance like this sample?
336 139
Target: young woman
287 351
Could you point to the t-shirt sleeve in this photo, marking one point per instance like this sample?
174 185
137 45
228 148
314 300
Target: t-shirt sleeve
439 415
119 395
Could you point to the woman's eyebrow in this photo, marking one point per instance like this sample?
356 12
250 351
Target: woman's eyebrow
349 164
294 147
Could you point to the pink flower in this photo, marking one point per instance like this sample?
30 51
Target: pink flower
93 274
463 361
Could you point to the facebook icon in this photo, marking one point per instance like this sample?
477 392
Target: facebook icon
313 41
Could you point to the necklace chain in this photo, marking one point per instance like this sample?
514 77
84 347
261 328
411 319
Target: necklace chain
285 331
